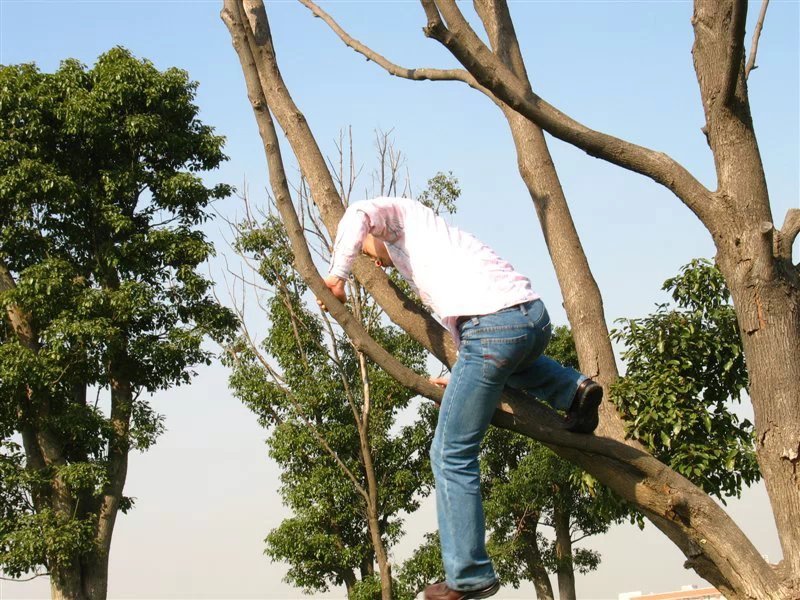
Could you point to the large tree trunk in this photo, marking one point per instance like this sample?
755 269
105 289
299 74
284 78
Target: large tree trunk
756 264
85 580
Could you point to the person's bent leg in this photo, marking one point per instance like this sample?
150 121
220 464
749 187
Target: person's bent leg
549 381
545 378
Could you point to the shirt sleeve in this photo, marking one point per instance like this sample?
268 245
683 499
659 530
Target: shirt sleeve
382 217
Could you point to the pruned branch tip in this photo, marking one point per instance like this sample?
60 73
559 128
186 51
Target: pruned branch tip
751 61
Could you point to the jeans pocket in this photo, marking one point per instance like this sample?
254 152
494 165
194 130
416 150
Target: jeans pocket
501 356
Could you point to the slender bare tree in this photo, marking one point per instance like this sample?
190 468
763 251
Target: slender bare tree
754 256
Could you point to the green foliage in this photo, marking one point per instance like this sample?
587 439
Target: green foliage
45 537
100 199
441 193
422 568
327 541
684 365
367 588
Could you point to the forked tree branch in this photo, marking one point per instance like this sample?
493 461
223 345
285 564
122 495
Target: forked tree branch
735 50
413 74
548 424
489 71
751 61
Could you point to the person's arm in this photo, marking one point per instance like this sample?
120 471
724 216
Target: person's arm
382 217
350 234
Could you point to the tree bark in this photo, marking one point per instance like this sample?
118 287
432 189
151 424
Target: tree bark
583 302
564 566
537 574
763 282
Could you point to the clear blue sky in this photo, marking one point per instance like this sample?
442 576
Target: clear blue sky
206 492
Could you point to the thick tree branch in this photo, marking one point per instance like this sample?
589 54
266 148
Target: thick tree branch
434 18
751 61
787 234
490 72
499 27
362 341
735 50
17 318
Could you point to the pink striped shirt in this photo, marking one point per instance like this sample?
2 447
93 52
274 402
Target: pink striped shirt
454 273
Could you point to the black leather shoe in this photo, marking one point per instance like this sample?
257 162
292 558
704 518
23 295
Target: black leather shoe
440 591
582 414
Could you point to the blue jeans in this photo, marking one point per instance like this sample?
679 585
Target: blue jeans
499 349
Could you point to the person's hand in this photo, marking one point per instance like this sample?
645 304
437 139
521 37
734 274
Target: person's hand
440 381
336 286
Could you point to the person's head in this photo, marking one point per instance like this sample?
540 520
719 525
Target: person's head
376 249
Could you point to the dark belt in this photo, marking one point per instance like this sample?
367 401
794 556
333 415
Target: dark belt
463 319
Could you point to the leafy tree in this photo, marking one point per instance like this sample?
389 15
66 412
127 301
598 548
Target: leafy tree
684 364
100 199
350 469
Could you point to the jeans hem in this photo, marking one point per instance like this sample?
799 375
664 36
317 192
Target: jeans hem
472 588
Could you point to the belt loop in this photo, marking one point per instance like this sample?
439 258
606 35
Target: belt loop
474 320
523 308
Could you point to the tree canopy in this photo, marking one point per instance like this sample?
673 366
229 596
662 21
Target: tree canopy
101 196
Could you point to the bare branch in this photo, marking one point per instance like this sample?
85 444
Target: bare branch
31 578
735 50
784 239
433 16
336 359
308 423
422 74
751 62
490 72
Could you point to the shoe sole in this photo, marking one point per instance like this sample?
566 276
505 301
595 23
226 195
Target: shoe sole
485 593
